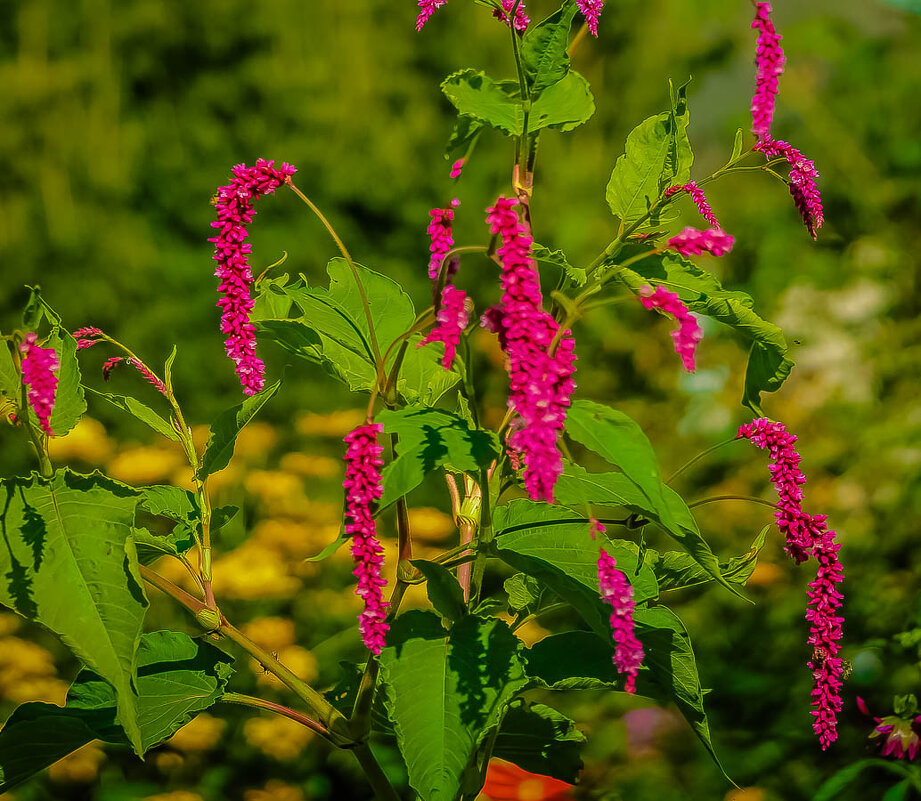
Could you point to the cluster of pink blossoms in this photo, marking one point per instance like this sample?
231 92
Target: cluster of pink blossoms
363 487
234 204
451 321
541 382
770 61
693 242
803 185
137 364
88 336
700 200
457 167
441 235
39 366
689 332
591 10
807 535
426 9
522 20
899 735
618 592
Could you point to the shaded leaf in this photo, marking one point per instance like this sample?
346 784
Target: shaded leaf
558 259
140 411
675 570
832 788
523 591
443 589
541 740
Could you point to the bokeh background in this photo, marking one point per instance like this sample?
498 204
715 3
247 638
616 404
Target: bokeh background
121 118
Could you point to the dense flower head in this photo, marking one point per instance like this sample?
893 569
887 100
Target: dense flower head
522 20
689 332
803 184
769 59
618 592
88 336
591 10
807 535
899 735
441 236
363 487
39 366
693 242
541 358
700 200
451 321
234 204
426 9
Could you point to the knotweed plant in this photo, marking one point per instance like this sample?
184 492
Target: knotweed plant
443 685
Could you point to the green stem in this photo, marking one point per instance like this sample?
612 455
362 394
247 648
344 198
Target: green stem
383 790
697 458
278 709
717 498
485 538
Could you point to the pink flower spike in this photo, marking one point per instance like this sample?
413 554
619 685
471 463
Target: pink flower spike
591 10
363 487
87 337
39 366
770 60
451 321
457 167
618 592
442 238
693 242
522 20
689 332
427 8
234 204
803 185
142 368
110 365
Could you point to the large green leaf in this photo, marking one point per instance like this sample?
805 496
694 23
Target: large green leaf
428 439
10 378
227 427
69 562
541 740
443 589
554 546
657 155
69 400
544 53
474 94
177 677
563 106
445 692
140 411
558 259
768 365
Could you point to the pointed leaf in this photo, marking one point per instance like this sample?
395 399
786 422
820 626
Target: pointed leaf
140 411
523 591
474 94
541 740
563 106
558 259
69 400
678 571
544 52
442 588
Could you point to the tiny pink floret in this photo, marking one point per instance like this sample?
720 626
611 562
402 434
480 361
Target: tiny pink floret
363 488
457 168
451 321
770 60
689 332
39 366
618 592
234 204
694 242
591 10
522 20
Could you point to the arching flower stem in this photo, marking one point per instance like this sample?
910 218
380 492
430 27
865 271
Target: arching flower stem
717 498
697 458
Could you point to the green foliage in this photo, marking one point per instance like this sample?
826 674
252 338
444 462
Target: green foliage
70 564
524 592
544 48
443 590
445 691
139 411
177 678
69 399
558 259
541 740
834 786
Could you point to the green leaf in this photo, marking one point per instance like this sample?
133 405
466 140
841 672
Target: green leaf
151 547
168 368
445 691
423 379
69 400
69 563
34 310
541 740
563 106
523 591
10 377
227 427
555 547
172 502
657 155
272 302
463 138
898 792
558 259
737 145
544 53
831 790
579 660
474 94
177 677
428 439
140 411
328 550
443 590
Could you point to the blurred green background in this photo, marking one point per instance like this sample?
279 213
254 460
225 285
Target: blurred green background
121 118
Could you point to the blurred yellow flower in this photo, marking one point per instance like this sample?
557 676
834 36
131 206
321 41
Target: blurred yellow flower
298 660
272 633
311 466
80 767
199 734
430 525
145 464
253 572
275 791
21 659
47 689
169 762
87 442
277 737
178 795
745 794
336 602
255 441
8 623
765 574
295 540
335 424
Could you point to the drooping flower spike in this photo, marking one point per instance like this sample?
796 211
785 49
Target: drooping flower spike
770 60
441 235
363 487
137 364
618 592
693 242
700 200
689 332
540 378
451 320
426 9
234 204
591 10
522 20
39 366
803 186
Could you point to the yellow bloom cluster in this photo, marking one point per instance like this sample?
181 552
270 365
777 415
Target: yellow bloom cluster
277 737
275 791
199 734
27 671
80 767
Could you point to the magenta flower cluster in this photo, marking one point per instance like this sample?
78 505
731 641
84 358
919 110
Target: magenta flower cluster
807 535
88 336
441 235
426 9
522 20
693 242
137 364
457 167
618 592
803 185
234 204
700 200
689 332
39 366
451 320
363 488
769 60
541 382
591 10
